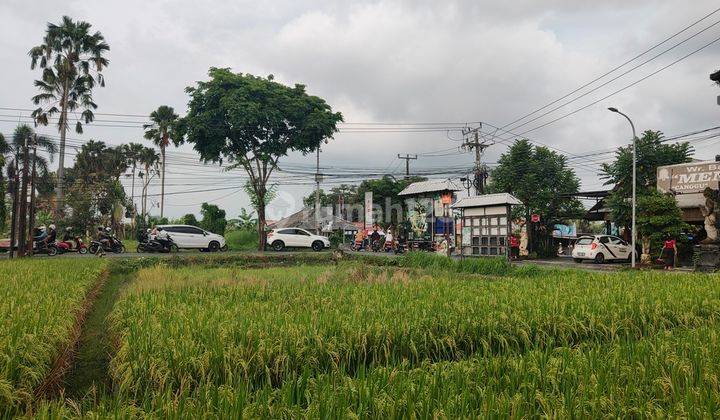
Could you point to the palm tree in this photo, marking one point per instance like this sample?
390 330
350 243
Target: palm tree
11 153
149 159
71 59
133 151
165 128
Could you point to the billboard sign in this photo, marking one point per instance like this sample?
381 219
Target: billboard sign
688 178
368 209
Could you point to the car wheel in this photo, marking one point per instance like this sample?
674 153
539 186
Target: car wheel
599 258
578 260
278 246
318 246
214 246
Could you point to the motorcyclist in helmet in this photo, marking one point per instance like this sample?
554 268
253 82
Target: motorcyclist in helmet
40 236
51 235
69 238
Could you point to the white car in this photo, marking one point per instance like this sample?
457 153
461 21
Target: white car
279 239
192 237
601 248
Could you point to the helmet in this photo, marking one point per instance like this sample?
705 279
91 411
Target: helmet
53 227
107 229
42 227
149 230
68 229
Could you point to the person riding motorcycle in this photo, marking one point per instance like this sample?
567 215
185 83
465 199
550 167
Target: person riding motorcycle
69 238
41 236
103 236
51 235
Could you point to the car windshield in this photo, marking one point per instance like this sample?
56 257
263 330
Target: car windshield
584 241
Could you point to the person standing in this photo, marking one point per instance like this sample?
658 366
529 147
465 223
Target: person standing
669 253
514 247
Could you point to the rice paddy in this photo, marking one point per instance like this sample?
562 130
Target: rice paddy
420 339
39 301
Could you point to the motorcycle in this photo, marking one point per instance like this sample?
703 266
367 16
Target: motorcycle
114 245
157 245
67 246
50 249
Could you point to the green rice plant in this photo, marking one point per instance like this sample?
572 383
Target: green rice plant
181 330
38 300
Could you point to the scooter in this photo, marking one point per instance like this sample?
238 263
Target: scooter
114 245
157 245
67 246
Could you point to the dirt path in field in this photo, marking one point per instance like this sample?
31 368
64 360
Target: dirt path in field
89 373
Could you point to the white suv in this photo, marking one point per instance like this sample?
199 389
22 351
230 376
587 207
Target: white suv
279 239
193 237
601 248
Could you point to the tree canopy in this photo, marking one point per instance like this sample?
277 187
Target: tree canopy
652 151
541 179
213 218
250 122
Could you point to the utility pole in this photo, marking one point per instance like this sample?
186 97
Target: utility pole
15 208
473 142
318 179
22 221
407 158
31 224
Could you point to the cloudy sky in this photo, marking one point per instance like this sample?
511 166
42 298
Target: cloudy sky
413 62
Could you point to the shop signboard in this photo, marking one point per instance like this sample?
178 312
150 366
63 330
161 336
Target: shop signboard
688 178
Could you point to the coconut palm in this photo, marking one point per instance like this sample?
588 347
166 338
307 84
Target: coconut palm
165 128
72 61
133 152
149 159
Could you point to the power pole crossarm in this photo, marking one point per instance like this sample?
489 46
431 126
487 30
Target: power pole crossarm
407 158
473 142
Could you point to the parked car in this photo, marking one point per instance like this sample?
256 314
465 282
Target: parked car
192 237
601 248
280 239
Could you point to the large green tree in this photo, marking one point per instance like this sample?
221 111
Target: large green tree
542 180
652 151
164 130
72 59
213 218
250 122
94 189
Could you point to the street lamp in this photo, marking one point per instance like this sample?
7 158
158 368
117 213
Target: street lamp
612 109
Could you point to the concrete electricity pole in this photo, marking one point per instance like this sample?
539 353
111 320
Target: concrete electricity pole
318 179
473 142
407 158
22 221
33 176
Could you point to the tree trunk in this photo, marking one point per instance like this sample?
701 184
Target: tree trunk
60 190
22 220
262 239
162 182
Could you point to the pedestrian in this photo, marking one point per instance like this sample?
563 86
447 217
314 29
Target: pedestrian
514 247
669 253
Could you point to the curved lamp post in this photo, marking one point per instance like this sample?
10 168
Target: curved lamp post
612 109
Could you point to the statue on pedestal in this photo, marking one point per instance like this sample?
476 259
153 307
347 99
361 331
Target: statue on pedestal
711 211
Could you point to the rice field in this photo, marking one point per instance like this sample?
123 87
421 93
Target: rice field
385 342
38 304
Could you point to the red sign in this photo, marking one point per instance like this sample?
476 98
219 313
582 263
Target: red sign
535 218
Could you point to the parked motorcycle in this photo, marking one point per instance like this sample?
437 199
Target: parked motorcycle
67 246
114 245
157 245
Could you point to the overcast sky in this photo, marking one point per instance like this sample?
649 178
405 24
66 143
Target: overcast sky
387 61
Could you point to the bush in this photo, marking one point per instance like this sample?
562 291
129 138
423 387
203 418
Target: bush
242 240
